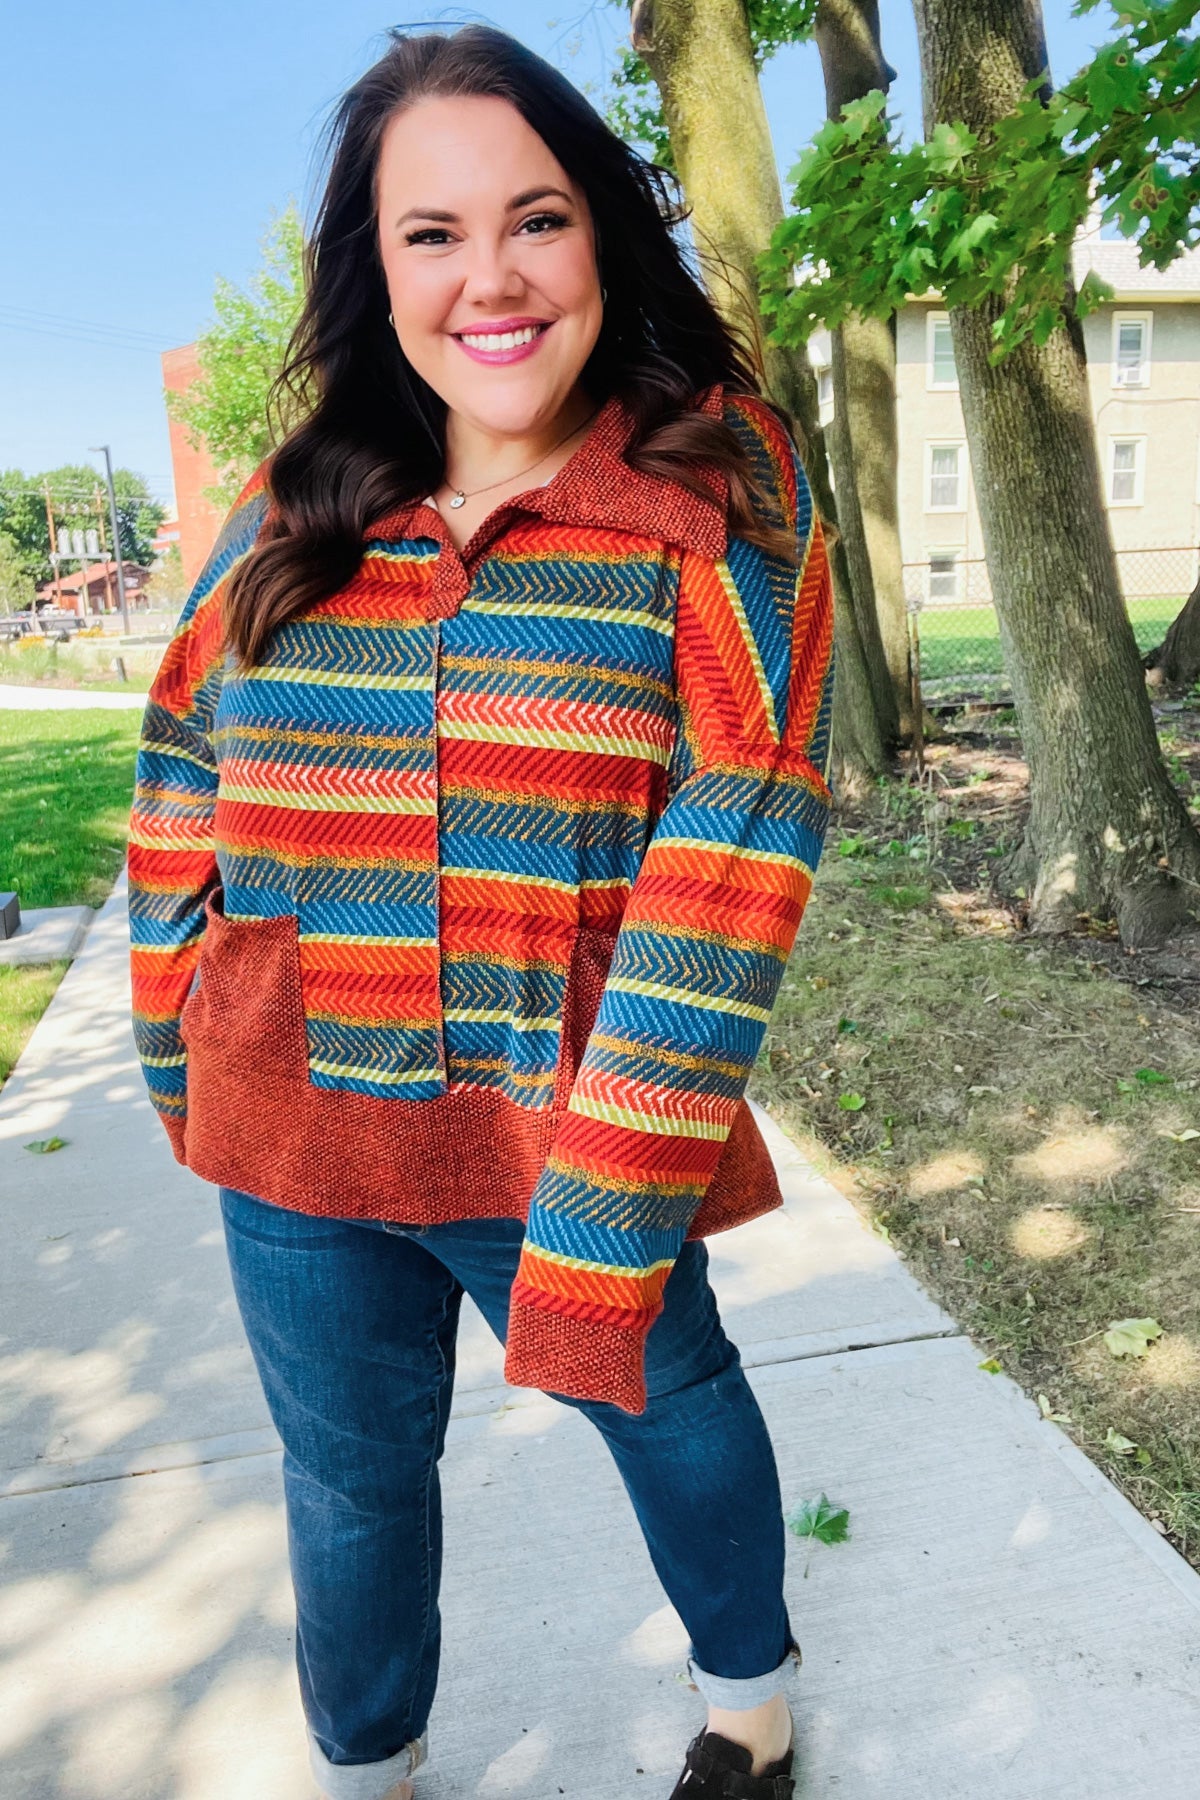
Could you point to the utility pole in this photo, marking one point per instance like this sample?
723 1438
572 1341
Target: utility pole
116 535
108 586
53 551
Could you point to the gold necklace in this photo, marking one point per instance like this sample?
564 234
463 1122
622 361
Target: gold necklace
461 498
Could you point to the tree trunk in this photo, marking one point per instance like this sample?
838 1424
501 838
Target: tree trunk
700 55
864 445
1108 835
1175 663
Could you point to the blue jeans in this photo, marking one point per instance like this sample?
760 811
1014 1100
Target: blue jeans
352 1325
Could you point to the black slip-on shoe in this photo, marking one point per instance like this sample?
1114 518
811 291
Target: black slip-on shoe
716 1769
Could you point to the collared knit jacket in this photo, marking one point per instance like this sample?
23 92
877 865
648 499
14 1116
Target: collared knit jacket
473 897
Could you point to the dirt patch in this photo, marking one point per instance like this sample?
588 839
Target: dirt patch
1020 1115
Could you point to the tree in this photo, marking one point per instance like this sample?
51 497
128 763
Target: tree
77 498
864 440
1107 831
702 58
16 583
225 411
985 212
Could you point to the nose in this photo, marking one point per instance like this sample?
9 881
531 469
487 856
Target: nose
492 275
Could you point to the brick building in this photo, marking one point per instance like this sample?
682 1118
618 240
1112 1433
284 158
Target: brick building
198 520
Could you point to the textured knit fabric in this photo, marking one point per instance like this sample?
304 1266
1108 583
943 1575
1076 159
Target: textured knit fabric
474 896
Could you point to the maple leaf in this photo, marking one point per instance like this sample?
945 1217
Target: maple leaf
819 1518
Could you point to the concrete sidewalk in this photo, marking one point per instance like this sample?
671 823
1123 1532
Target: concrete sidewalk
1002 1625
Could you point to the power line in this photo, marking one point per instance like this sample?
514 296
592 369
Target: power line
83 331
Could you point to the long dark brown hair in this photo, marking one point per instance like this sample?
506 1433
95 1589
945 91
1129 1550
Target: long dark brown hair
371 431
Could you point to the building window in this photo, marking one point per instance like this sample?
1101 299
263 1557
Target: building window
944 483
825 394
1131 350
943 575
1126 470
940 371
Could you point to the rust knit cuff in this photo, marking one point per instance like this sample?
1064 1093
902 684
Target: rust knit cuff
175 1128
575 1358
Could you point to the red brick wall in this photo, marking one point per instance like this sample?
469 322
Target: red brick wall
199 520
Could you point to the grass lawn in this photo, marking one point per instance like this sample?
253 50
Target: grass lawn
1020 1118
66 780
965 640
84 663
25 993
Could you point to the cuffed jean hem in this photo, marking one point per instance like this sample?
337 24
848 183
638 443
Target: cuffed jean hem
365 1781
739 1695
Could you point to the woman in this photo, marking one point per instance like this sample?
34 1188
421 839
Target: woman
477 808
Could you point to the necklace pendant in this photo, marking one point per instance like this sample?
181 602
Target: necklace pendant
459 500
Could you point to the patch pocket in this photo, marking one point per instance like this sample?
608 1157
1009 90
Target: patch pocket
591 957
246 1009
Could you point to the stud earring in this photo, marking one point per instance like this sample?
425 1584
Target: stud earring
603 295
391 322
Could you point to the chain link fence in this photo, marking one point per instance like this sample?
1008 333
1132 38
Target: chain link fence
949 599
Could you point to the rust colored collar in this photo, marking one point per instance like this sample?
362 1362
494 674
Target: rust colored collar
595 486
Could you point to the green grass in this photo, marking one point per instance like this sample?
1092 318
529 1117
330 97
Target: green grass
84 663
965 640
24 996
66 781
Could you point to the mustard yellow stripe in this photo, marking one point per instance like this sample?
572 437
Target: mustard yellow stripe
339 803
164 1062
588 742
581 1262
716 848
743 624
167 949
657 990
657 1124
386 1078
603 615
341 678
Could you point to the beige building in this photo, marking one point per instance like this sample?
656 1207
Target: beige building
1143 351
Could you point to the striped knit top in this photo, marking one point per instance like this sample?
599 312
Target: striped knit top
473 897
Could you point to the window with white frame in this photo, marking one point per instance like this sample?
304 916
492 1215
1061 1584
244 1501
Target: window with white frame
1131 350
940 369
943 575
944 477
1126 470
825 393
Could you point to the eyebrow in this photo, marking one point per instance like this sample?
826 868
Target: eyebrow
514 205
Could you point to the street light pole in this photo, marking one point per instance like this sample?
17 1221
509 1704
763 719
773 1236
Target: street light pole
102 449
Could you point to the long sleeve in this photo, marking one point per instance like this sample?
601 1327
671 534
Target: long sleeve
703 943
172 859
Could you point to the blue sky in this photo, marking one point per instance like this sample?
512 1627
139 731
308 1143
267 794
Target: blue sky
147 147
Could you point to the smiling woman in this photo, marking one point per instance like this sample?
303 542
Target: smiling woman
478 804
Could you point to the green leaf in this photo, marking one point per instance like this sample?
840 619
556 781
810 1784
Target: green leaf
851 1102
1152 1077
1182 1137
821 1519
1048 1412
1120 1446
990 1366
1131 1337
44 1146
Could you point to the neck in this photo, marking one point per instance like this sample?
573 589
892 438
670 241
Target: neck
475 455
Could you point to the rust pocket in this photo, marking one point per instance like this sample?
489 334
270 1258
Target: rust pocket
246 1010
591 955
